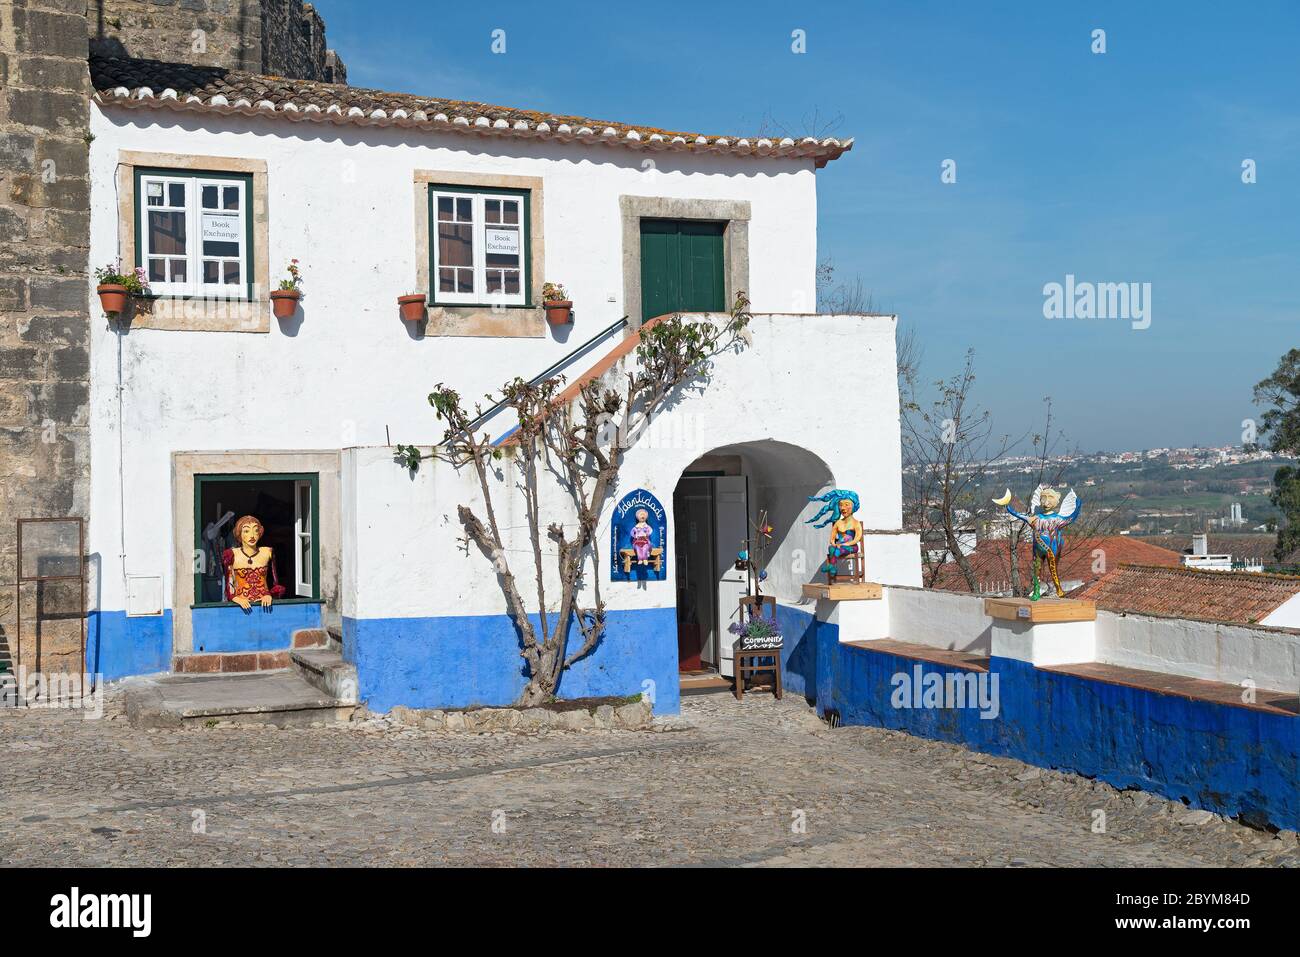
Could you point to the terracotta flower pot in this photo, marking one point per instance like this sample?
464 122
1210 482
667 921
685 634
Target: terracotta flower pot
559 312
412 307
284 302
112 296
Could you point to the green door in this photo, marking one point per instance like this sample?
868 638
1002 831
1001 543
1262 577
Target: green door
681 267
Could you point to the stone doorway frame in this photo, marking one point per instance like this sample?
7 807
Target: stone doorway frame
735 240
185 465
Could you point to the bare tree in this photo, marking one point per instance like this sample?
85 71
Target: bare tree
949 447
842 298
581 449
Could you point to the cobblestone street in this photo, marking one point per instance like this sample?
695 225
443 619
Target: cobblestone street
754 783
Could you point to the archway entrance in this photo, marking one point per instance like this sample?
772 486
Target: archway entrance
716 504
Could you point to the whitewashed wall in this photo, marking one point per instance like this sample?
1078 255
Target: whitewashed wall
939 619
1270 657
406 560
340 200
1201 649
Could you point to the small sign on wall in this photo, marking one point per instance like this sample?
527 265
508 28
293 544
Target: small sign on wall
217 228
502 242
638 533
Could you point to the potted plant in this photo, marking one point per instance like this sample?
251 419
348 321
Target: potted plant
116 286
556 302
757 634
285 299
412 306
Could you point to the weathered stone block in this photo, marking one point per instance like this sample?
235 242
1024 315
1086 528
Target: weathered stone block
13 294
34 257
60 403
13 405
70 362
50 33
67 192
13 225
58 295
632 716
57 330
48 111
52 73
61 157
26 364
17 151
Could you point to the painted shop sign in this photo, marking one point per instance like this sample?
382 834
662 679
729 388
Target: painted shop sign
638 539
758 643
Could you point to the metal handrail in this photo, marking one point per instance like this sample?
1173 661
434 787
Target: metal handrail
548 372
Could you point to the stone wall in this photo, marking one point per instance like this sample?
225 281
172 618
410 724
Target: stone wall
44 294
281 37
293 43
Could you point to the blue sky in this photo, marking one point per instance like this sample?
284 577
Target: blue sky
1123 166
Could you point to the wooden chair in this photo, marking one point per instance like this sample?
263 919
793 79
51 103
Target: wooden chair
749 663
857 568
762 605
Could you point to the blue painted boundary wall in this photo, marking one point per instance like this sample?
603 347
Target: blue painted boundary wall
118 646
1231 760
459 661
230 628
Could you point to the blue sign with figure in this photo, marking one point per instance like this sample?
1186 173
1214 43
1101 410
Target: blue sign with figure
638 534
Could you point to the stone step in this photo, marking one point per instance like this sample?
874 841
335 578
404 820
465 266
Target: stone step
279 698
325 670
311 638
229 662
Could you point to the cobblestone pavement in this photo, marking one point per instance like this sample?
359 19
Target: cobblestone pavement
751 783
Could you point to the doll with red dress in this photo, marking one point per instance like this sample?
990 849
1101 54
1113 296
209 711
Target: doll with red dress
250 568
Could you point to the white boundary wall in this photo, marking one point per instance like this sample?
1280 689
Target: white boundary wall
1212 651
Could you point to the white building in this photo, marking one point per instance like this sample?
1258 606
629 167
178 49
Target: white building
203 404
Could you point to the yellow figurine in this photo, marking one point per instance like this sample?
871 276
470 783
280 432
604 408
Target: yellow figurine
838 506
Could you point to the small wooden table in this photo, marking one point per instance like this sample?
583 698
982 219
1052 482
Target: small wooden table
749 663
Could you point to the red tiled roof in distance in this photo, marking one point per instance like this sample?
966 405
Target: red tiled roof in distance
991 560
1237 597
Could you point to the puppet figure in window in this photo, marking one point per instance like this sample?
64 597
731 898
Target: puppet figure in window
250 568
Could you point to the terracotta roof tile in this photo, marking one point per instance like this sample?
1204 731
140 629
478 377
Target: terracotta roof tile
1238 597
991 560
153 84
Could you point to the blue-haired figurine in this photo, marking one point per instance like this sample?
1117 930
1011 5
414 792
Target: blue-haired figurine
1046 528
838 506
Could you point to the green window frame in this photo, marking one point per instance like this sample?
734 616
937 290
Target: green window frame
312 478
249 258
526 234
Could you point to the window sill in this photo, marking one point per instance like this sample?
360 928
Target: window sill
199 314
503 322
277 601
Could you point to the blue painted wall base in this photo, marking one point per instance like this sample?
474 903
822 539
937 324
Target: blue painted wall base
1234 761
230 628
466 660
118 646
